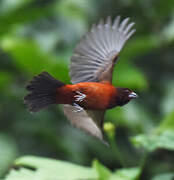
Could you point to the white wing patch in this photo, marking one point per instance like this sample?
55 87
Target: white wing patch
97 49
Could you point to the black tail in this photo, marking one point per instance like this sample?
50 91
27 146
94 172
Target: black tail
42 92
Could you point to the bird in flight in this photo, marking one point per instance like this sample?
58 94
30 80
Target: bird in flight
91 93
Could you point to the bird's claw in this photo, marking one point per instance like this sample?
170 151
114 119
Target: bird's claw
79 97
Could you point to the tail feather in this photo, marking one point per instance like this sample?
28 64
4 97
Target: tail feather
42 90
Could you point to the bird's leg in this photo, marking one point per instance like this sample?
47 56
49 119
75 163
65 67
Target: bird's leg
78 108
79 97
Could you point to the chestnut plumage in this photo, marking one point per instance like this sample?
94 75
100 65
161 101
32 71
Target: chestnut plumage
91 92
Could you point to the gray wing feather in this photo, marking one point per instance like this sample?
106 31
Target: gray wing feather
88 121
98 48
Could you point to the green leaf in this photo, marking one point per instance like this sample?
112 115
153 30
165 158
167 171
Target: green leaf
140 46
23 14
120 174
49 169
161 137
126 174
116 115
155 141
5 79
127 75
103 172
29 57
7 7
164 176
167 104
167 123
74 9
168 31
8 152
129 116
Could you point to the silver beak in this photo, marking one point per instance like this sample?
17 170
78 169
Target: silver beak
133 95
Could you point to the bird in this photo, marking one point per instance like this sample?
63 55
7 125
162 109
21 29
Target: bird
91 92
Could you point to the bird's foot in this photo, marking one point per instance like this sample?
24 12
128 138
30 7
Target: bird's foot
79 97
77 108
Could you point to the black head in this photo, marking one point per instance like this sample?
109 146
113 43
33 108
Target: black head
125 95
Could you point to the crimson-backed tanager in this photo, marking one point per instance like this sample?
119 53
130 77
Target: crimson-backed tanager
91 92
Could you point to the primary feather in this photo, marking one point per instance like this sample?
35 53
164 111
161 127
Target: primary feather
96 54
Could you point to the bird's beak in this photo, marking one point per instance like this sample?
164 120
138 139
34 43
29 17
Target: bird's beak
133 95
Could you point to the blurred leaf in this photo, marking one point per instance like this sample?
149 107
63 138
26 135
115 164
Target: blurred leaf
139 46
169 30
116 115
164 9
103 172
132 116
126 174
152 142
5 79
127 75
137 117
70 13
164 176
21 15
167 123
74 9
44 168
167 104
120 174
7 6
30 58
8 153
161 137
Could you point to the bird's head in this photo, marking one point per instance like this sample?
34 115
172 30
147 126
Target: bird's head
124 96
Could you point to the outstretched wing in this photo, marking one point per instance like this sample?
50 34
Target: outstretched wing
97 52
88 121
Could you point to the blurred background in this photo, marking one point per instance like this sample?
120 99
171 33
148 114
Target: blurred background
41 35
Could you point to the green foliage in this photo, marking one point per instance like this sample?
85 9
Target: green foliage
20 15
41 35
126 174
33 59
5 80
44 168
166 176
161 137
167 123
102 171
152 142
8 152
128 75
